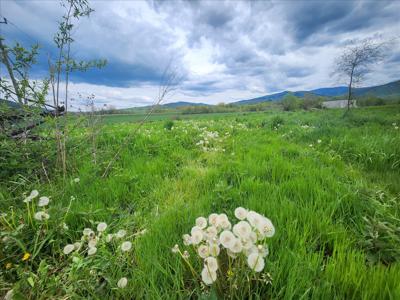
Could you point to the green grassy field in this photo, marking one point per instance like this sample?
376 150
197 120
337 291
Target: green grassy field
329 183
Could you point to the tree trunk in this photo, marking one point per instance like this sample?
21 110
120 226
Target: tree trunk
350 84
10 71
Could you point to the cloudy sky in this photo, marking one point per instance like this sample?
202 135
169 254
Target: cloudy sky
223 51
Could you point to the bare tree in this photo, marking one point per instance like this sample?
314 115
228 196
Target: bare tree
355 62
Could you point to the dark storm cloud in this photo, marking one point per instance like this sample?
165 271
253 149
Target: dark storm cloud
226 49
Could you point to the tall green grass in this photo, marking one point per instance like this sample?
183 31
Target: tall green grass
335 204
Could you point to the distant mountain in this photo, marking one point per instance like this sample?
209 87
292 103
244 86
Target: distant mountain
182 103
385 90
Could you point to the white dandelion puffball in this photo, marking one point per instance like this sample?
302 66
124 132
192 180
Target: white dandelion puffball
76 180
319 141
122 282
41 216
77 245
237 246
203 251
242 229
87 231
197 235
126 246
263 250
208 276
121 233
227 239
109 237
92 251
43 201
101 227
214 249
92 243
254 218
222 218
187 240
211 232
241 213
34 194
231 254
256 262
211 264
175 249
201 222
266 228
212 219
68 249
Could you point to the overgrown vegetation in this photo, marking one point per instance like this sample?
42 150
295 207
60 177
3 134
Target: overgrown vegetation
330 185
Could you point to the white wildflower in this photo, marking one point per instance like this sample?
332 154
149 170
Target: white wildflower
212 219
237 246
201 222
121 233
211 232
68 249
241 213
187 240
101 227
126 246
92 250
92 243
122 282
197 235
185 254
109 237
208 276
87 231
256 262
242 229
319 141
203 251
77 245
214 249
175 249
43 201
211 263
41 216
227 239
76 180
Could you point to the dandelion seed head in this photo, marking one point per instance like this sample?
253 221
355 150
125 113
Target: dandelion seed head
212 219
92 250
211 263
242 230
92 243
237 246
203 251
187 240
109 237
122 282
227 239
201 222
241 213
175 249
68 249
256 262
101 227
87 231
185 254
197 235
41 216
43 201
121 233
126 246
207 276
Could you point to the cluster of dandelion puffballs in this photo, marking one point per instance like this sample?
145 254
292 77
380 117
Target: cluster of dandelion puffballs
244 239
41 215
92 239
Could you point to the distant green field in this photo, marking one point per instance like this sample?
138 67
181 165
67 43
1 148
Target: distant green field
330 184
120 118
